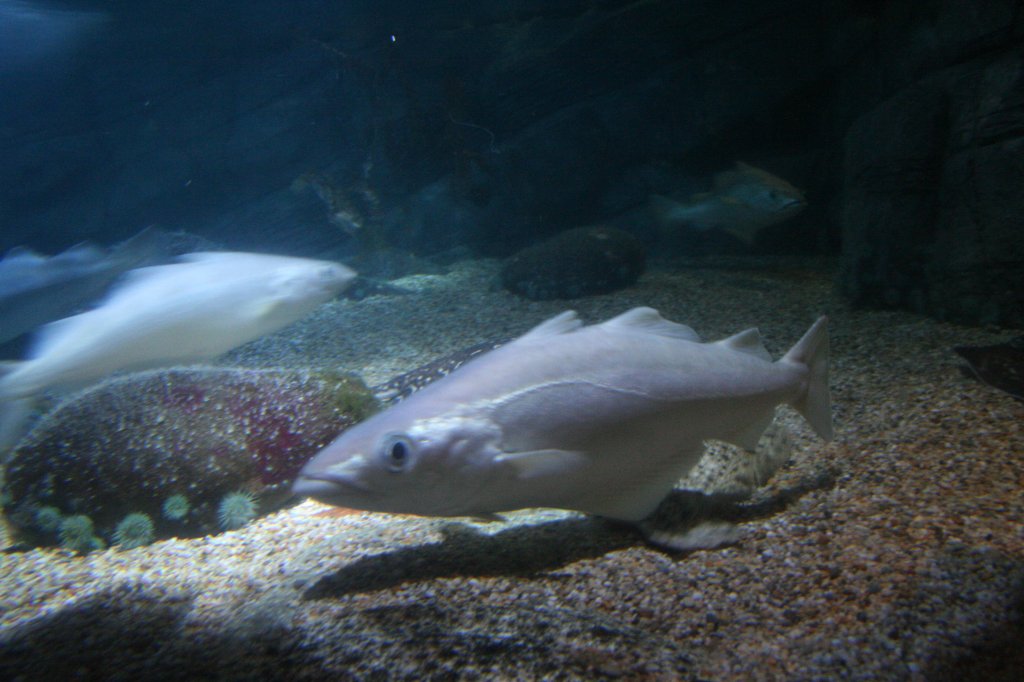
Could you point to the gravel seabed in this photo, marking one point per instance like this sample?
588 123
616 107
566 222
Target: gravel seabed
894 552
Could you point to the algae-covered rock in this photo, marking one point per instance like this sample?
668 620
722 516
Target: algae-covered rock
578 262
172 444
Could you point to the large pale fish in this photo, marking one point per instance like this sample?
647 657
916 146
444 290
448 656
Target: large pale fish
744 200
36 289
193 310
602 419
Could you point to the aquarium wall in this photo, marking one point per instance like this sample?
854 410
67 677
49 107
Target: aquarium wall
477 128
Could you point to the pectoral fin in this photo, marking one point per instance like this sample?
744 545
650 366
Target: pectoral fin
543 463
264 307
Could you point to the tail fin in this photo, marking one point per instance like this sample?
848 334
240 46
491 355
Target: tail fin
815 404
16 418
667 212
16 412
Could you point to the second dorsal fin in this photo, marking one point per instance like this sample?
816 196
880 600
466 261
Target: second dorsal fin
649 320
562 323
748 341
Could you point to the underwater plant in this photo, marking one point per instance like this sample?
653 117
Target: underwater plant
236 510
76 534
134 530
176 507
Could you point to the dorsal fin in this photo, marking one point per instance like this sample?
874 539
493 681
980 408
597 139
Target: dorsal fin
213 256
562 323
748 341
648 320
82 251
140 277
53 333
23 252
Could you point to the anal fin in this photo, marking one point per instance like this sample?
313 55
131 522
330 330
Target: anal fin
638 496
749 435
704 535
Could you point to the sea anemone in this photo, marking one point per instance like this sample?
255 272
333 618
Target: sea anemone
176 507
134 530
47 519
236 510
76 534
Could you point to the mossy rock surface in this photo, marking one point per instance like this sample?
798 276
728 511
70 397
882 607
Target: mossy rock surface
129 444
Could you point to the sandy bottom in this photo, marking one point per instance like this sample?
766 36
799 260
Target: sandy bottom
894 552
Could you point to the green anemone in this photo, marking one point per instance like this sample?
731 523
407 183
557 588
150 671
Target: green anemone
236 509
176 507
134 530
48 519
76 533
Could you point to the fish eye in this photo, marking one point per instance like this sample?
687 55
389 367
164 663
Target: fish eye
772 194
396 451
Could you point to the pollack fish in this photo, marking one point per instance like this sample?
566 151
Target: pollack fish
36 289
602 419
744 200
195 309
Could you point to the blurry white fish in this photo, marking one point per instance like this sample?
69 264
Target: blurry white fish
602 419
28 279
745 200
192 310
36 289
33 32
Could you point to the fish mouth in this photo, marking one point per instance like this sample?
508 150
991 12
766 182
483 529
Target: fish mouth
325 487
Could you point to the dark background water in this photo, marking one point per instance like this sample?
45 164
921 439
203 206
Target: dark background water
341 127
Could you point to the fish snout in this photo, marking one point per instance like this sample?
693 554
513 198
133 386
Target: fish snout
340 483
335 277
332 489
317 489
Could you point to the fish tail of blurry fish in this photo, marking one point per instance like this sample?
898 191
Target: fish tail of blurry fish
815 403
15 422
668 213
7 367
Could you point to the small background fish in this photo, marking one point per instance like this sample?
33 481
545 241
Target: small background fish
744 201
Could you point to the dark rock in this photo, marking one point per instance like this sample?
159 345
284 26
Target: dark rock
486 123
893 163
934 215
577 262
490 126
